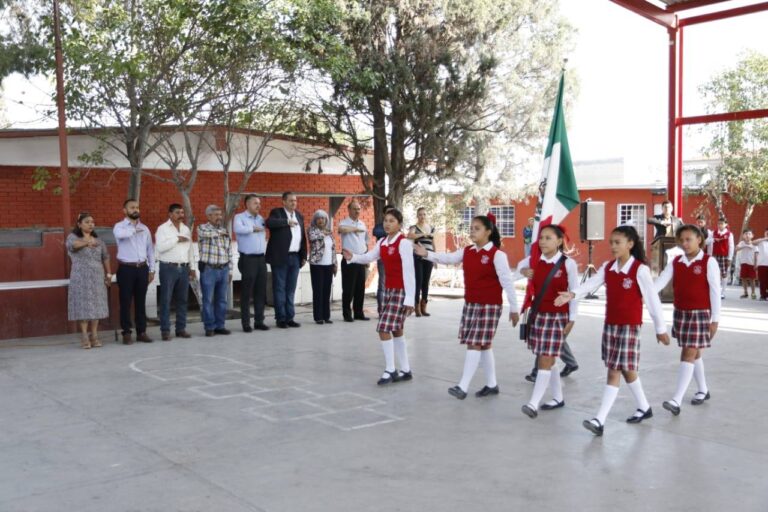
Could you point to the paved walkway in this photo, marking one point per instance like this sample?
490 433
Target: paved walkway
293 421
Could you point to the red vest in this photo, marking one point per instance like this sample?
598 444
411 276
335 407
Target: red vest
393 264
691 284
559 283
623 300
720 246
481 284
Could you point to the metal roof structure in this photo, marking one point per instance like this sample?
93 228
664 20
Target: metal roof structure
670 14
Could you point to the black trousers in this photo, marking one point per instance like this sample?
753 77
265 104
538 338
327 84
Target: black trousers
322 279
352 288
423 271
566 356
133 283
253 286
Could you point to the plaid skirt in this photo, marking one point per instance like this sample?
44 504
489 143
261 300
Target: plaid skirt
723 262
621 347
691 328
545 335
478 324
392 316
747 271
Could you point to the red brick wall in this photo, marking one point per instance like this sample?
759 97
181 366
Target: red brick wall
102 193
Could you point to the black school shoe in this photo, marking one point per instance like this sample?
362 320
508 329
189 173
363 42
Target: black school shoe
404 376
486 391
699 398
556 405
645 415
672 407
593 426
568 370
457 392
529 411
390 378
530 377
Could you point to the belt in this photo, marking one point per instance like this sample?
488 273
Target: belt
293 252
174 263
133 263
210 265
244 255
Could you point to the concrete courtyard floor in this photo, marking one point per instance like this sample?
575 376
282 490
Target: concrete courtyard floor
292 420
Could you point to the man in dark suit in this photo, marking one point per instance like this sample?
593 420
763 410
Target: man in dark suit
286 254
666 224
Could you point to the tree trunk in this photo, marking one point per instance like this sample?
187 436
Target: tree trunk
380 151
397 160
134 183
186 202
748 210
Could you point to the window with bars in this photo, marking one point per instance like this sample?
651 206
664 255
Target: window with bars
505 219
633 214
466 218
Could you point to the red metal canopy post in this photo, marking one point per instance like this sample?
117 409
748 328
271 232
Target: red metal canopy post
668 18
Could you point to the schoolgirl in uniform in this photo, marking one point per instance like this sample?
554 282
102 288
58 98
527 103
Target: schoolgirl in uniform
722 250
486 273
628 284
746 262
551 324
695 279
396 252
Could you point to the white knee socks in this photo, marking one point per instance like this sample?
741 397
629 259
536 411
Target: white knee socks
402 354
683 379
637 391
698 374
540 387
470 366
609 396
389 355
555 385
489 367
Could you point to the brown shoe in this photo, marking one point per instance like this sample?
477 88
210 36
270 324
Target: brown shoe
166 336
417 309
424 308
85 342
127 339
183 334
142 337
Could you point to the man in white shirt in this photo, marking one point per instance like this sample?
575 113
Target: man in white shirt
354 238
251 234
173 241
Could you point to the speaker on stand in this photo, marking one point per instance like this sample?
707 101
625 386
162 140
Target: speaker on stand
591 229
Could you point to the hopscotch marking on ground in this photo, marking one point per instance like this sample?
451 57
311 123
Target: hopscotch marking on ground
277 397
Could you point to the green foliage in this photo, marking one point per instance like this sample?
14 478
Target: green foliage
42 178
742 146
21 48
414 80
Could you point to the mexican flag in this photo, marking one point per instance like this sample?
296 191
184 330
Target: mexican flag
558 194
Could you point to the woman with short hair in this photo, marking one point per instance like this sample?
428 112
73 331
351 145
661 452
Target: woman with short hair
322 265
